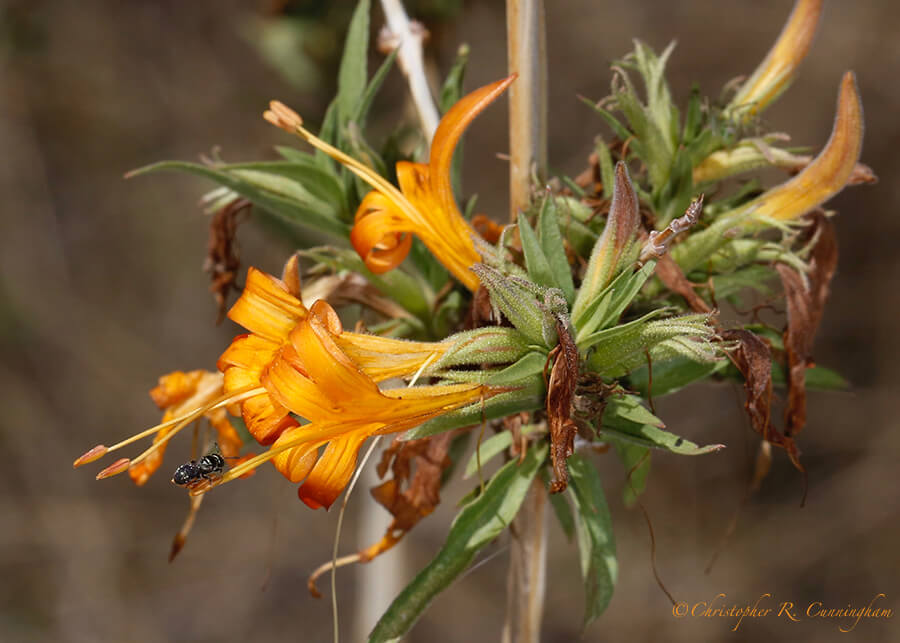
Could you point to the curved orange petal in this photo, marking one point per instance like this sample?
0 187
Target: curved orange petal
332 472
333 373
175 387
380 234
382 358
296 463
829 172
442 230
142 471
266 307
776 71
447 135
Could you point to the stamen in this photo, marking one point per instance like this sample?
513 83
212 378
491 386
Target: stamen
287 119
184 420
319 435
280 115
422 368
115 468
93 454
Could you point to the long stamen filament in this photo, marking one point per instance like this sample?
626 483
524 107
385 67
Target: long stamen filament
364 172
185 420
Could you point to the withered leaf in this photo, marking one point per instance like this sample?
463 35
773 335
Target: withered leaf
413 491
560 394
673 278
805 305
753 359
223 260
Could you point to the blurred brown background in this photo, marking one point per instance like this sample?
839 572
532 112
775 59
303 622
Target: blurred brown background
101 292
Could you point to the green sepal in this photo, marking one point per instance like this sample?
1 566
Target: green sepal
529 396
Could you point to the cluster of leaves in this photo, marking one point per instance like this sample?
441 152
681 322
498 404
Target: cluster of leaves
604 318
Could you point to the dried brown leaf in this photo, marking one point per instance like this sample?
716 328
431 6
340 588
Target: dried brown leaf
753 358
560 395
673 278
223 261
805 304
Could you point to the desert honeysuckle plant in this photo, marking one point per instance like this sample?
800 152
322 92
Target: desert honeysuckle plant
536 344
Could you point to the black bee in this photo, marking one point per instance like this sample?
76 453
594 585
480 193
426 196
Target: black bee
209 467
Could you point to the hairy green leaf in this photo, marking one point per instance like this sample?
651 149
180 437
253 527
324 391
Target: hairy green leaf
476 525
596 541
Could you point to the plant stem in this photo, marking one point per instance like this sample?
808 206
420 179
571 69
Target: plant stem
527 568
408 35
526 53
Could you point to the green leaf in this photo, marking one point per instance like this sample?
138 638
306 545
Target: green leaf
493 447
554 248
476 525
528 366
365 103
353 72
535 262
616 429
278 195
451 90
820 378
671 375
693 118
618 129
561 507
596 541
322 184
396 284
636 461
607 171
608 306
630 407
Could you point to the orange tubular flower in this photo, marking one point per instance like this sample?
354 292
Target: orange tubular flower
829 172
314 378
424 204
776 72
270 311
301 362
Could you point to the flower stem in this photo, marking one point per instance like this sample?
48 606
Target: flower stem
527 568
526 54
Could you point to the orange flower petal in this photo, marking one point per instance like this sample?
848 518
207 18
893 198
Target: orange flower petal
489 230
381 233
266 307
333 373
777 70
332 472
382 358
142 471
249 353
174 388
226 435
829 172
295 464
447 135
